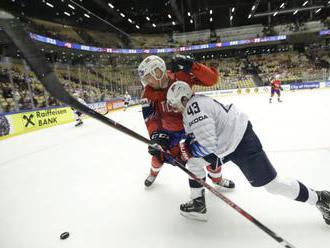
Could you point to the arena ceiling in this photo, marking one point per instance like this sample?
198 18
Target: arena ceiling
166 16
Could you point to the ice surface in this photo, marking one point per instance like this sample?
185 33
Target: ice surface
89 181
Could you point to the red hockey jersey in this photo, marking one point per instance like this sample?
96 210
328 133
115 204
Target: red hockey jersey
276 85
157 113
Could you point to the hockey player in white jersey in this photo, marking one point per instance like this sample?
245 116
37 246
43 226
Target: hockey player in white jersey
127 99
77 113
222 133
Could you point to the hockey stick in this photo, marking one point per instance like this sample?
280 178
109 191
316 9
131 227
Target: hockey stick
47 77
279 239
15 30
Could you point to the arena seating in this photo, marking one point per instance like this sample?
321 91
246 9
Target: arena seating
240 33
97 83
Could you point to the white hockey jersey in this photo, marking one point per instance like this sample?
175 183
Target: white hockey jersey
216 128
127 98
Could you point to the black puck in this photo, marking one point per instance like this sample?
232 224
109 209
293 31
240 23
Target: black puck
65 235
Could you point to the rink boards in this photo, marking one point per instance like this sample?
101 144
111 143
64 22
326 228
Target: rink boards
14 124
266 89
89 181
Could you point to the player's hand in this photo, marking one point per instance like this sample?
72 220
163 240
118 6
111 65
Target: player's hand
156 151
214 160
181 63
160 141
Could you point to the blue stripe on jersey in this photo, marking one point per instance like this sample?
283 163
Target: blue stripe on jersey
198 150
203 148
148 111
175 137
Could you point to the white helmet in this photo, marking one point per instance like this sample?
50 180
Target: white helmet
149 65
176 92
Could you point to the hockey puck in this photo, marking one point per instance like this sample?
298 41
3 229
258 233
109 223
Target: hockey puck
65 235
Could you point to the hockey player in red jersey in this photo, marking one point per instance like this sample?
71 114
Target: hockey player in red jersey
164 125
276 88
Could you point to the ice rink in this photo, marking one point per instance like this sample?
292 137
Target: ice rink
89 181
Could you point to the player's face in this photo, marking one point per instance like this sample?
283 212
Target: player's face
180 107
157 80
177 109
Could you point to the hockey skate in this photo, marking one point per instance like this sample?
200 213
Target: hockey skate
150 179
225 184
78 124
323 204
195 209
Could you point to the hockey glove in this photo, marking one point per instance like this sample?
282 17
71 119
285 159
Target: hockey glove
159 140
214 160
181 63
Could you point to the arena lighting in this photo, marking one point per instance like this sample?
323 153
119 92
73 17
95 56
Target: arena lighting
137 26
169 16
317 11
249 16
211 19
189 12
304 4
211 11
233 10
282 5
255 6
110 5
286 11
50 5
191 21
154 25
231 18
173 23
99 18
70 6
86 15
275 13
130 20
122 15
147 17
66 13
